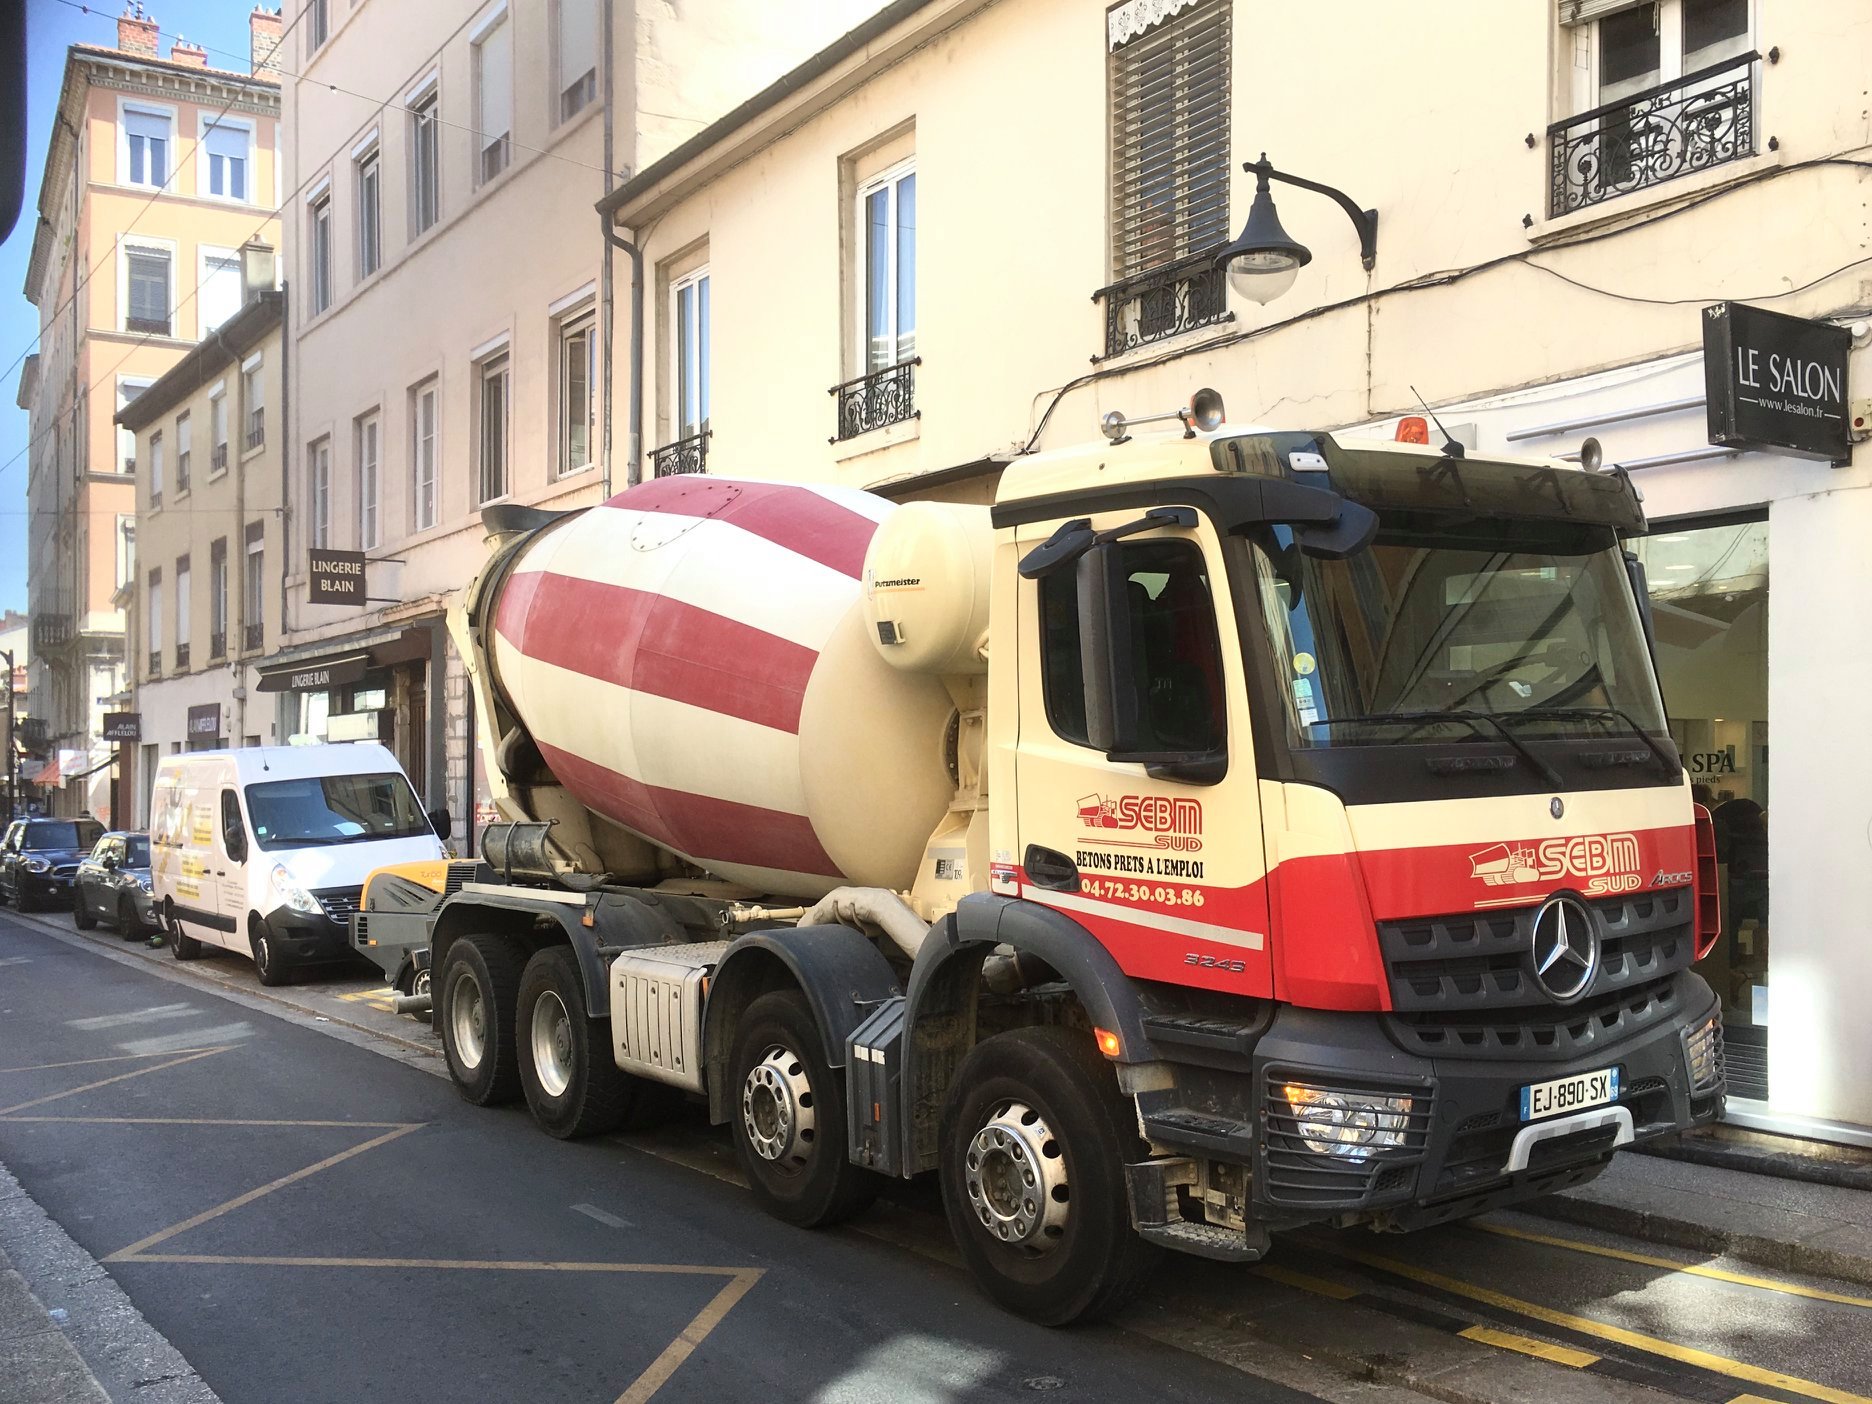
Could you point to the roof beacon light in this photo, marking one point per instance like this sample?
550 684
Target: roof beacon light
1204 411
1413 429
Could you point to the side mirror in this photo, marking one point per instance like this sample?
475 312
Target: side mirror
439 821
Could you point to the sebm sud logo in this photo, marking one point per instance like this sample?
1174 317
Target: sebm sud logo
1164 821
1602 863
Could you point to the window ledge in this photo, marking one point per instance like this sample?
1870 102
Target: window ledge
872 440
1639 202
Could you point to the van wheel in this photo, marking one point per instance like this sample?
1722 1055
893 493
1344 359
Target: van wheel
183 946
573 1087
1034 1142
270 964
82 916
480 990
789 1117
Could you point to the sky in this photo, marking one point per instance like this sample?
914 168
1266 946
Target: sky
51 25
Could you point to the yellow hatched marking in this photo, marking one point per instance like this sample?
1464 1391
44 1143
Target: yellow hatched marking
119 1058
1652 1345
1527 1345
106 1082
1319 1286
1741 1279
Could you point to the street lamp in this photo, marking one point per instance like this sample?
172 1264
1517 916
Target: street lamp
1264 259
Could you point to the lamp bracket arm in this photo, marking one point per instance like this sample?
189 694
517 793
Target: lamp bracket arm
1365 221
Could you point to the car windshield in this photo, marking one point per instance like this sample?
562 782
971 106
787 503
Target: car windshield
1449 628
137 852
333 809
62 833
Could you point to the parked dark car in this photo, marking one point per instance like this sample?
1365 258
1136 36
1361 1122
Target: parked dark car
40 857
113 885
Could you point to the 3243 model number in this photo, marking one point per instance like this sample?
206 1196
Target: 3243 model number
1209 962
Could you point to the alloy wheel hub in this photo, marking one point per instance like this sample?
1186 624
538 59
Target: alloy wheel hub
1015 1177
777 1108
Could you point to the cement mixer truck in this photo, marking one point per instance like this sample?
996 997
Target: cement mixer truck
1224 832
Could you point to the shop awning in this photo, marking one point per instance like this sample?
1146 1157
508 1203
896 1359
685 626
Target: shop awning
323 673
49 777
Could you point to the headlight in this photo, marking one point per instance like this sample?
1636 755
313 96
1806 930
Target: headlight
1703 1053
1348 1124
291 895
143 883
38 865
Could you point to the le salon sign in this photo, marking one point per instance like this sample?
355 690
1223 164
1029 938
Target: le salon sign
1776 382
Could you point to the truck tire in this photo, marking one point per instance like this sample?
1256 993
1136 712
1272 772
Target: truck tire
82 916
480 989
270 963
183 947
788 1114
572 1085
1035 1138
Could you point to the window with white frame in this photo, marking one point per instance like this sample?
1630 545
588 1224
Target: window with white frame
184 442
148 135
1662 88
369 214
575 36
319 236
576 340
424 160
423 429
493 89
217 429
887 219
217 598
126 549
128 388
225 153
156 468
182 602
153 614
318 24
368 451
148 282
253 587
689 317
219 295
491 424
253 403
318 490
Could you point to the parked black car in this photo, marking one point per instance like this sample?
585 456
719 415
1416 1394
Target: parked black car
113 885
40 857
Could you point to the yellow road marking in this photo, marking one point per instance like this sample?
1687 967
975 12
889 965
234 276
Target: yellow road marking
202 1121
680 1349
1670 1350
1527 1345
1752 1399
445 1264
106 1082
1319 1286
120 1058
1767 1284
123 1255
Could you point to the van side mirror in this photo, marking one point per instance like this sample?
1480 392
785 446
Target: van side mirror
439 821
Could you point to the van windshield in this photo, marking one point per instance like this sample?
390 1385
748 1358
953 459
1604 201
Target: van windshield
331 809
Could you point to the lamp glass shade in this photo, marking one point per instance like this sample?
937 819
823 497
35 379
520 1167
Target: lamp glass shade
1264 259
1262 277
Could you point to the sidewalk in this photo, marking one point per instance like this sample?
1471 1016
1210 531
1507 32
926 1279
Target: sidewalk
1823 1230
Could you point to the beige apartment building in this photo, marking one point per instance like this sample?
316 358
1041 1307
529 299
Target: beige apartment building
971 229
205 601
448 292
158 170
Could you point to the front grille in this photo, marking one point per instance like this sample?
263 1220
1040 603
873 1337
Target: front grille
1479 960
1296 1175
339 902
65 870
458 874
1538 1032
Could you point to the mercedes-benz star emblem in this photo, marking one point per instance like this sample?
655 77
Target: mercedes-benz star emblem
1565 948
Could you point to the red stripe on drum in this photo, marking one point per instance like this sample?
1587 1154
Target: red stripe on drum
801 520
652 643
703 828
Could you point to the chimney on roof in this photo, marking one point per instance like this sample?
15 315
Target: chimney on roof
194 55
258 274
263 28
136 31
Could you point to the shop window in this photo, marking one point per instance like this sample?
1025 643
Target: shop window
1709 604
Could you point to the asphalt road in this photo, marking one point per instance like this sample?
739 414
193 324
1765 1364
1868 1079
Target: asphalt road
307 1218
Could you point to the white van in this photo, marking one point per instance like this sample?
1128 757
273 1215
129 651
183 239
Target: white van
264 850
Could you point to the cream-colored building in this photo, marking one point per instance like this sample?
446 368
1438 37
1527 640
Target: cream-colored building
447 288
158 170
205 601
975 228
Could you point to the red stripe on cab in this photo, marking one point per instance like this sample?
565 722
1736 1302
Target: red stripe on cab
799 519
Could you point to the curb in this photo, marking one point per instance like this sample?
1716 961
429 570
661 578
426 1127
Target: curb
1702 1238
1785 1165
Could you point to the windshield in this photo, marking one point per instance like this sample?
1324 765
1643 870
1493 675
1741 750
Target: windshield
1449 628
63 833
332 809
137 852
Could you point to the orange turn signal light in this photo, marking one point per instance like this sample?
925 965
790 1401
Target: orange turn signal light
1107 1042
1413 429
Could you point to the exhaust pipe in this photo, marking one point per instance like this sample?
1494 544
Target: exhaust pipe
411 1004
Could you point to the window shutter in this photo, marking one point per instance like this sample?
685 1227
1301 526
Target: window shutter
1573 12
1170 92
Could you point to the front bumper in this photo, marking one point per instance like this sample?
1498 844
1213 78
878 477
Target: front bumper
300 937
51 888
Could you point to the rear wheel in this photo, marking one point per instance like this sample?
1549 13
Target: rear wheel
789 1117
82 916
1034 1142
184 947
572 1085
480 983
270 963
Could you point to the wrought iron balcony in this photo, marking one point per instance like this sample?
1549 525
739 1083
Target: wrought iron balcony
155 663
1689 124
253 636
149 326
181 657
688 455
51 630
1164 302
217 646
256 428
871 401
217 458
182 473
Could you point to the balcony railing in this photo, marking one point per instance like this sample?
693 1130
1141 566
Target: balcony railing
872 401
51 630
155 663
253 636
1689 124
688 455
217 646
182 473
256 428
181 657
217 458
1164 302
150 326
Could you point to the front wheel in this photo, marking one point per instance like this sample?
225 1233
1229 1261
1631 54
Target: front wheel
82 916
1034 1142
127 924
480 982
789 1117
270 963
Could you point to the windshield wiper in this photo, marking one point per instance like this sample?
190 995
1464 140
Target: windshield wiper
1664 760
1418 720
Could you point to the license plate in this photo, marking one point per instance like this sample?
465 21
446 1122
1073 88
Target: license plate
1566 1094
